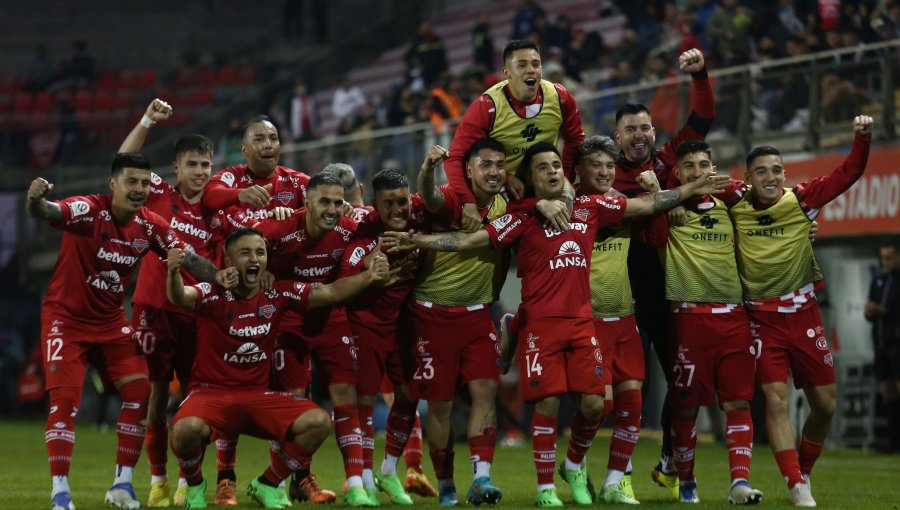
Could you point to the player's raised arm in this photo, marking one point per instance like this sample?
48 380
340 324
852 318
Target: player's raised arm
157 111
430 193
178 294
448 241
39 207
661 201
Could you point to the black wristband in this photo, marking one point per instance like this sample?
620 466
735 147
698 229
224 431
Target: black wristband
700 75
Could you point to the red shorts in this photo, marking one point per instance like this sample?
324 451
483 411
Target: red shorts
231 412
67 347
332 350
792 344
168 339
560 355
451 348
713 355
623 351
381 360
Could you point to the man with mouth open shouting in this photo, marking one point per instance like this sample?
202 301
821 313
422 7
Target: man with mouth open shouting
236 341
82 316
558 352
518 112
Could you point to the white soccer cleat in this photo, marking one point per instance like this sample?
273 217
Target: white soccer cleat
121 495
62 501
802 495
742 494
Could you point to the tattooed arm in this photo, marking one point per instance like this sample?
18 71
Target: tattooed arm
662 201
447 241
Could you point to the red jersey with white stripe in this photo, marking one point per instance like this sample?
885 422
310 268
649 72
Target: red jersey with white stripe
195 227
555 266
236 336
294 255
98 256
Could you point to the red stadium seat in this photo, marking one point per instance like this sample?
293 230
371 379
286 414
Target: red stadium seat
84 101
103 100
109 80
44 102
227 75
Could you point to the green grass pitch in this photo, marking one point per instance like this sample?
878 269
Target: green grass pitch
842 479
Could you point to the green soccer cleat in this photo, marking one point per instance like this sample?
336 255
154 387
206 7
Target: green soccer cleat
614 493
548 498
159 495
627 488
373 496
578 484
265 495
195 495
283 499
358 497
393 487
666 481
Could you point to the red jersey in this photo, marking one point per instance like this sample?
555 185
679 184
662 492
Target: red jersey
703 111
555 266
288 189
236 336
360 212
296 256
380 306
195 227
98 256
479 119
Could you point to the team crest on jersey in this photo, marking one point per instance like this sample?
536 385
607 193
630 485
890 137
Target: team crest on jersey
599 371
267 311
829 361
285 197
140 245
582 214
336 254
215 223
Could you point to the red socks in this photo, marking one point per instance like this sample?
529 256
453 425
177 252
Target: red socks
60 432
132 416
543 444
626 429
368 434
684 442
442 460
789 466
349 439
739 441
583 432
226 452
399 424
157 445
413 452
808 452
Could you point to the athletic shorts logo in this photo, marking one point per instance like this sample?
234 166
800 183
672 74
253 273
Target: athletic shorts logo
346 340
126 330
493 336
599 371
594 341
79 207
267 311
811 332
598 356
821 343
829 361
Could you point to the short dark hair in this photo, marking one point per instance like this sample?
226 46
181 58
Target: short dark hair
891 243
538 148
597 143
345 173
692 146
239 233
256 119
389 179
125 160
483 143
630 109
516 45
323 179
762 150
193 142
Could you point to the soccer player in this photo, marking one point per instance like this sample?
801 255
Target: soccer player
375 318
780 275
518 112
307 246
82 315
709 331
454 292
354 205
558 352
167 334
236 339
636 137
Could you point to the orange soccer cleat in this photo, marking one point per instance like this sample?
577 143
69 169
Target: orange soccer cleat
308 489
226 493
417 482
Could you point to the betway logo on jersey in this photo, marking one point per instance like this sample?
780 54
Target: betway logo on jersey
312 271
190 230
262 329
552 232
247 353
569 256
116 258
